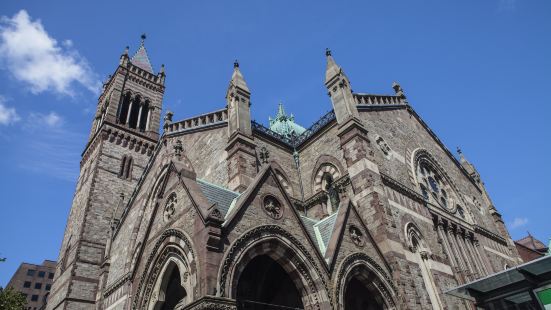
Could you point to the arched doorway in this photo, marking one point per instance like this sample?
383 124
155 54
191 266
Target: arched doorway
264 285
171 291
357 296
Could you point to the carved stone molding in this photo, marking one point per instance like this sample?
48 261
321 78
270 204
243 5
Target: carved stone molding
154 264
248 239
272 207
383 284
356 235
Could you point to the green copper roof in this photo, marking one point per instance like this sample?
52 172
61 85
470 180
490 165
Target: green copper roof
285 125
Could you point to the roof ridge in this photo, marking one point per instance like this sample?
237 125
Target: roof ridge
217 186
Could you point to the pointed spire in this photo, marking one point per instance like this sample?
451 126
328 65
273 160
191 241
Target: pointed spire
124 57
237 78
332 68
280 110
467 165
140 59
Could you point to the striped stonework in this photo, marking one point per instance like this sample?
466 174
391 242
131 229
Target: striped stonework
367 271
283 248
325 168
173 246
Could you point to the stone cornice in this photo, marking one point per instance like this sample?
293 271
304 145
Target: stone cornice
490 235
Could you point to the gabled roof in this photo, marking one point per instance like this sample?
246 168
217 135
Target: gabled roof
141 60
223 198
532 243
320 231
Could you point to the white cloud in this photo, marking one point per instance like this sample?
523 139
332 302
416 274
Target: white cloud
35 58
519 222
507 5
7 115
39 120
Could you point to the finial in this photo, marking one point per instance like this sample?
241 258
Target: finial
162 68
459 151
327 52
143 36
126 50
236 64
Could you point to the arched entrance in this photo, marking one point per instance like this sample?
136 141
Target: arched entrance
357 296
364 285
264 285
171 290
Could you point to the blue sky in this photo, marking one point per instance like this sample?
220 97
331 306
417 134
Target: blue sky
478 72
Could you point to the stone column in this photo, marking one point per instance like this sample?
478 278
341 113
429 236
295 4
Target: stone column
129 110
449 252
139 115
461 264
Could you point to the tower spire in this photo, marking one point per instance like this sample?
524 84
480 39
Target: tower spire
339 90
237 78
141 59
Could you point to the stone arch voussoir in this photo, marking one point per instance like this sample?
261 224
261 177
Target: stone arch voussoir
172 246
363 266
284 248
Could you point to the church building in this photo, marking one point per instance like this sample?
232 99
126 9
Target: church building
364 209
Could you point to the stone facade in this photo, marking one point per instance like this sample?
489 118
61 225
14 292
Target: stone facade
366 209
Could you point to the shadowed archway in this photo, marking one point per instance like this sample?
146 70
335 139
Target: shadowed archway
265 285
171 290
357 296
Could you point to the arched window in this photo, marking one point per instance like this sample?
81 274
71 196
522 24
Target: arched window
435 187
418 246
123 109
134 111
321 177
125 171
144 112
264 284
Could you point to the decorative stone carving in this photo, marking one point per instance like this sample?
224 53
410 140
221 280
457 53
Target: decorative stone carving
178 149
170 207
356 235
264 155
385 148
273 207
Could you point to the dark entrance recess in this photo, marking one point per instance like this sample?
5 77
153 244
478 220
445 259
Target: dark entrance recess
358 297
264 285
174 292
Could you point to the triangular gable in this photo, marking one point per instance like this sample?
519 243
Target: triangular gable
346 215
247 196
141 60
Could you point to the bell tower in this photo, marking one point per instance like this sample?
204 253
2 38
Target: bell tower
123 135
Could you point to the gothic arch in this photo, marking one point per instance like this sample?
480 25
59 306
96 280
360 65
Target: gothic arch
283 178
325 164
417 245
173 248
150 203
423 157
281 246
363 268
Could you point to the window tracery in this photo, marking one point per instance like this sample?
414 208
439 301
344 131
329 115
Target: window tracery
436 189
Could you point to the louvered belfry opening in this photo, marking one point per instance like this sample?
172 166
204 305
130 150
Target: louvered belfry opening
265 285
